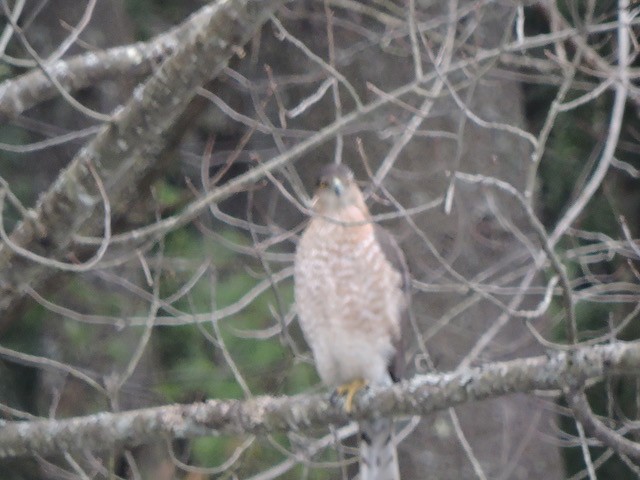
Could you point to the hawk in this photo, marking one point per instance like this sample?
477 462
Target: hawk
350 291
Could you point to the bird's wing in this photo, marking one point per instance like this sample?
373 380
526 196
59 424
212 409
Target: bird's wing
395 256
378 454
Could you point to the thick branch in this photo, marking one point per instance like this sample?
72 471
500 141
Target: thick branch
25 91
419 396
127 150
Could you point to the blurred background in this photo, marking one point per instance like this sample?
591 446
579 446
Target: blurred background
520 92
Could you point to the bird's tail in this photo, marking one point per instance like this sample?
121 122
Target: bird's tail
378 454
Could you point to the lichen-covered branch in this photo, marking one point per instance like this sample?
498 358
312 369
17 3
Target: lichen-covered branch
420 395
128 150
23 92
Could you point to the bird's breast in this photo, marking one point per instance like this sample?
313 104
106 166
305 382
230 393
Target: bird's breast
348 300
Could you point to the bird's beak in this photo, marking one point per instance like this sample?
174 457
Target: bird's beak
337 186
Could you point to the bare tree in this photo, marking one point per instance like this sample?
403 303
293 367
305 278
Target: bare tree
155 265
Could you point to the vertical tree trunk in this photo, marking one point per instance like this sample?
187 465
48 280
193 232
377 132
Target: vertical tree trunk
506 436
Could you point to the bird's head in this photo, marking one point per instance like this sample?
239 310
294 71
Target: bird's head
336 189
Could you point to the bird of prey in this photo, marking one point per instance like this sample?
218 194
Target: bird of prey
350 293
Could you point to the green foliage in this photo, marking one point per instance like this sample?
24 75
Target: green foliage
19 381
167 194
192 358
5 72
211 451
573 149
186 362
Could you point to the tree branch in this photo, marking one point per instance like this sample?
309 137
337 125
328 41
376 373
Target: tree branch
23 92
420 395
128 149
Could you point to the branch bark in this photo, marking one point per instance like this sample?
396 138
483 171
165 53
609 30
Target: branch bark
420 395
23 92
127 150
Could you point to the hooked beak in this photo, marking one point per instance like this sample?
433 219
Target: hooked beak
337 186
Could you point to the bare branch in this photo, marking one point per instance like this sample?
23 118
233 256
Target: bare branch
130 148
420 395
25 91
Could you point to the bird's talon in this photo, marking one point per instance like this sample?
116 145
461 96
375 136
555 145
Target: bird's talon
349 390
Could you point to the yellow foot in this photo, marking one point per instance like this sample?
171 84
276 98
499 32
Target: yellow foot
350 389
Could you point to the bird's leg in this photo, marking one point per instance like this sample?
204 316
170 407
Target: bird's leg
350 389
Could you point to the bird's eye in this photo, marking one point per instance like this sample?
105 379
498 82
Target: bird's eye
322 183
